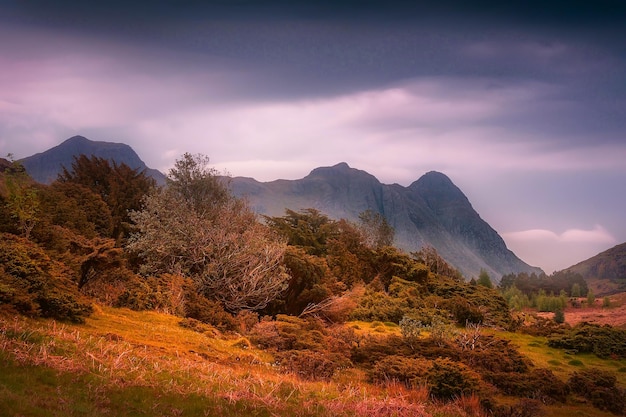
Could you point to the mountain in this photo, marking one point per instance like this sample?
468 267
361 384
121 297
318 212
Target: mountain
431 211
45 167
605 272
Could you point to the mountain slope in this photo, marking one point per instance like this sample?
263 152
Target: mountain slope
605 272
45 167
431 211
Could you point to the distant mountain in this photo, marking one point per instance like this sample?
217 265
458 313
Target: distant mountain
45 167
605 272
431 211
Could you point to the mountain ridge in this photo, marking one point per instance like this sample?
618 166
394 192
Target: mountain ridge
432 211
44 167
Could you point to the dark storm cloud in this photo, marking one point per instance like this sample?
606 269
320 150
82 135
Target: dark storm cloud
521 103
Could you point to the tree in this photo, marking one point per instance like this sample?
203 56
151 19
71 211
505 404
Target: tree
22 199
559 316
591 298
120 187
575 292
309 229
375 229
195 228
484 279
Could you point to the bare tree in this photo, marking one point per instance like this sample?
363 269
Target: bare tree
195 228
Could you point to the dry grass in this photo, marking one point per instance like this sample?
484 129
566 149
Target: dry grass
125 355
123 350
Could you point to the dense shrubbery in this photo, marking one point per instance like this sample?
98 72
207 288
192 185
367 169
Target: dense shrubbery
600 388
33 284
605 341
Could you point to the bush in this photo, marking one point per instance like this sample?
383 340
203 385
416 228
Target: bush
465 313
600 388
311 364
408 371
604 341
374 348
33 284
171 294
448 380
540 384
288 333
495 355
211 312
559 316
380 306
525 407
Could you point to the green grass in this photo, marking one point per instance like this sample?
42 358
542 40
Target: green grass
559 361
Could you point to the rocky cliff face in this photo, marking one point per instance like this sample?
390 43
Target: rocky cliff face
45 167
431 211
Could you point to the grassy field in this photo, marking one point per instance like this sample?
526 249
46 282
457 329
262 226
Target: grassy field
126 363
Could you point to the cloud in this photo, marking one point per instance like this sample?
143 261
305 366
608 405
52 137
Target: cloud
596 235
556 251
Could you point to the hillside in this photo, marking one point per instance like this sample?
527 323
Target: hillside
605 272
44 167
432 211
201 309
127 363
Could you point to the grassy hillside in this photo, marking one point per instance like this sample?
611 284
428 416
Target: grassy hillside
198 308
126 363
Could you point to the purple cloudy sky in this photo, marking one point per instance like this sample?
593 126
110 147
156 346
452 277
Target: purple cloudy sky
521 104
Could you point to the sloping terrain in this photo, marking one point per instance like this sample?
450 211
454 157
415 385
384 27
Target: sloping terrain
605 273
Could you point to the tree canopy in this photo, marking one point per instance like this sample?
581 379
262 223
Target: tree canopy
120 187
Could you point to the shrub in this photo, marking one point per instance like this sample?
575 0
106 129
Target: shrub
600 388
525 407
448 380
198 326
540 384
408 371
374 348
247 320
380 306
171 294
465 313
211 312
559 316
33 284
312 365
604 341
495 355
288 333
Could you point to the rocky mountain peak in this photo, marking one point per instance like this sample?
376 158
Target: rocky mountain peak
45 167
